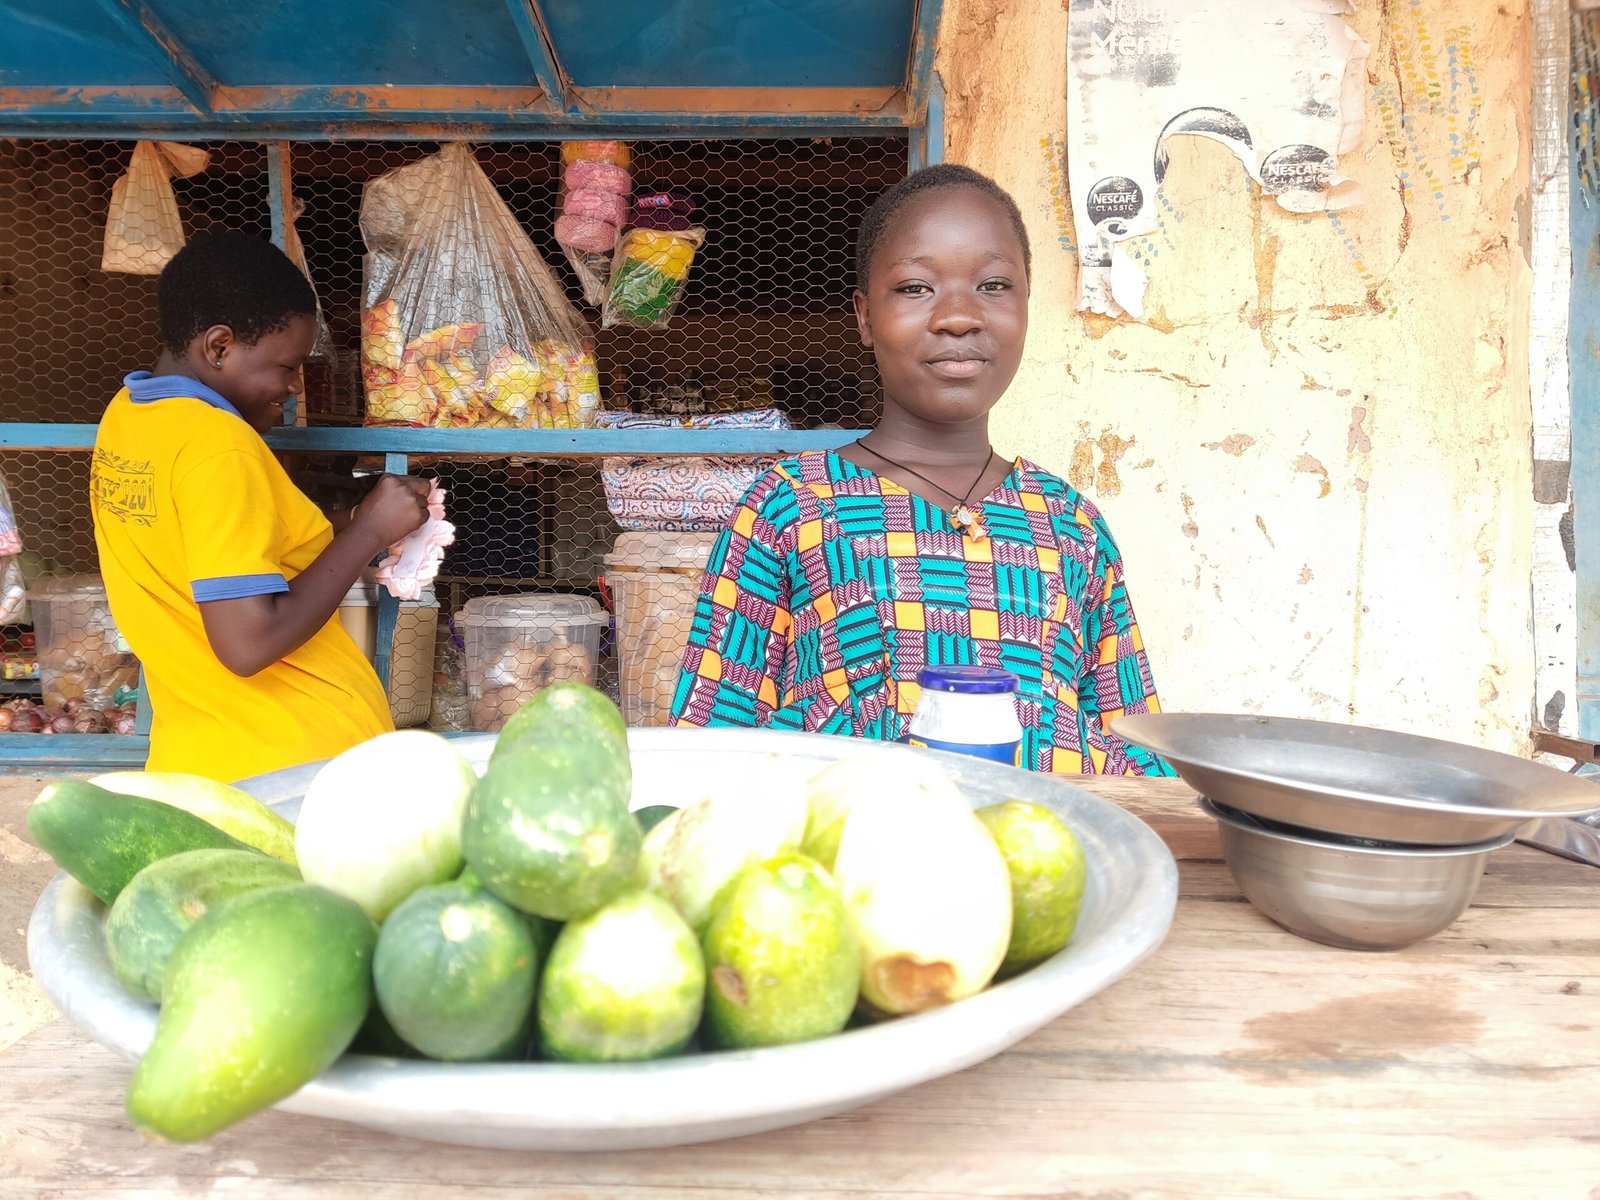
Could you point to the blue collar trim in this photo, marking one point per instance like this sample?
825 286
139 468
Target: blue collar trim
143 387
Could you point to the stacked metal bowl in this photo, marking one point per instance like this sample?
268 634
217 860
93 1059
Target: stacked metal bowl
1355 837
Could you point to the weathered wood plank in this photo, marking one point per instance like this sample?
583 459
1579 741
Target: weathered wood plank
1237 1061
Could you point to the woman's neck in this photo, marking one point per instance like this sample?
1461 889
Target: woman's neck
923 443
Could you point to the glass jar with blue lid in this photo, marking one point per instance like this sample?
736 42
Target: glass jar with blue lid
970 710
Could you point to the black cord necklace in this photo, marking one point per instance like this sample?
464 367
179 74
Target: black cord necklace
965 516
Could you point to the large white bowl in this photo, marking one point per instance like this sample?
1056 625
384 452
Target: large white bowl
1128 905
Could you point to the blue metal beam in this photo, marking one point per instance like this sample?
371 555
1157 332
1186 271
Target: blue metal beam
421 113
919 71
1583 341
927 139
141 23
380 439
541 51
30 753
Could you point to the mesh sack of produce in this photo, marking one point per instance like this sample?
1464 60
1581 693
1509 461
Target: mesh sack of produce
463 322
596 187
687 493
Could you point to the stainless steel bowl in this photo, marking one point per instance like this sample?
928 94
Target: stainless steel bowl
1359 781
1361 895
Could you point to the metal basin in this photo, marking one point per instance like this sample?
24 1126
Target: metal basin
1358 895
1358 781
1131 892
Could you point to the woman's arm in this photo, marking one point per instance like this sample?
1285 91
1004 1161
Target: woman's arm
250 633
1118 680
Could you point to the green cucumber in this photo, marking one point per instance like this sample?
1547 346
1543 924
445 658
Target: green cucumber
547 828
235 812
454 973
563 710
103 839
261 996
162 901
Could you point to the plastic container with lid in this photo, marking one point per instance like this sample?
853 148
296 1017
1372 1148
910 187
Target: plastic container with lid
970 710
411 660
654 578
516 645
81 655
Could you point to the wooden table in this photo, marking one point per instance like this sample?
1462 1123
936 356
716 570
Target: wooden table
1238 1060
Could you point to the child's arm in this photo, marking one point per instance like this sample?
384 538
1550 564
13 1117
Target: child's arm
250 633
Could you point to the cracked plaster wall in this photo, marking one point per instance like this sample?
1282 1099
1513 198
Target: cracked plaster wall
1315 452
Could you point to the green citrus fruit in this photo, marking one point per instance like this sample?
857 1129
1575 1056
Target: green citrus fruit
1047 871
625 983
782 960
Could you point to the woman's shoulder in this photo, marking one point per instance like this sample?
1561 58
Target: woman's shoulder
1076 509
1037 479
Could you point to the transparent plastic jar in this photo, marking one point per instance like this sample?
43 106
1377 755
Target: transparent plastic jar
969 710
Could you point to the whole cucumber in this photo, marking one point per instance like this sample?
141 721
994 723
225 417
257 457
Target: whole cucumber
103 839
261 996
164 900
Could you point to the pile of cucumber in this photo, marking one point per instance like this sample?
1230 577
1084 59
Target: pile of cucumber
416 909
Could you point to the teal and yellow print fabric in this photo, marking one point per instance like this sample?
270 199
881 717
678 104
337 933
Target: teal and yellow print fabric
832 587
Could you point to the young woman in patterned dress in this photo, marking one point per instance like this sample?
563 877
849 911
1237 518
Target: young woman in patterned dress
843 573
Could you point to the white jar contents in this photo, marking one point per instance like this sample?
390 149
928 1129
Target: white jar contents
969 710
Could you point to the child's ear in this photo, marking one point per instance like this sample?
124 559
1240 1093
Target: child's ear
863 319
214 345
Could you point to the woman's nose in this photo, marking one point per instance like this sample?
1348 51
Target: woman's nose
956 312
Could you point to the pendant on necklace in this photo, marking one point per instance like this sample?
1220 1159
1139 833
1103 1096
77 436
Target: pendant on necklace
968 519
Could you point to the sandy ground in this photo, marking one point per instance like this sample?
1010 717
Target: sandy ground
23 1007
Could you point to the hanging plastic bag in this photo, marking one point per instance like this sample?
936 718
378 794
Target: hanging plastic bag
595 188
13 592
292 247
464 323
143 227
652 262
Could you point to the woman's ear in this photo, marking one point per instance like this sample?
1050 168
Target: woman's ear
863 320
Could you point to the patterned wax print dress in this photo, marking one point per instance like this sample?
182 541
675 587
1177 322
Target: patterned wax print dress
833 586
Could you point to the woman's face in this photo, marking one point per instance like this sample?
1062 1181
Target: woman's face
945 312
257 377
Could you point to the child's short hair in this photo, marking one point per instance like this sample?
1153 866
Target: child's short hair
940 175
223 277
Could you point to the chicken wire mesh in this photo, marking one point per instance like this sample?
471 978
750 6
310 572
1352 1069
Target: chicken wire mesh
760 332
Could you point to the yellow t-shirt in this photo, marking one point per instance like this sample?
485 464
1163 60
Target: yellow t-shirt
190 505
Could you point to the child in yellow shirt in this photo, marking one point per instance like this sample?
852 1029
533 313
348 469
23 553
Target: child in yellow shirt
221 574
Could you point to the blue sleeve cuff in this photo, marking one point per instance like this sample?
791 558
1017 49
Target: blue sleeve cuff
233 587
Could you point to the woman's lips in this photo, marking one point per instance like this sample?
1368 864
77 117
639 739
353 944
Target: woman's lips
956 368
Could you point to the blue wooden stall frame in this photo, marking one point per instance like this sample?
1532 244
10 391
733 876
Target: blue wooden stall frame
194 102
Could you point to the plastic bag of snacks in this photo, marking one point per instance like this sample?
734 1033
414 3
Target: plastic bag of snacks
464 323
595 189
652 262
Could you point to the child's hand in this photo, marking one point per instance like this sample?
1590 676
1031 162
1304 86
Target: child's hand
394 508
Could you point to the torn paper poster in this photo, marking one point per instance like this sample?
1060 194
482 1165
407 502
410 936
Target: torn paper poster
1281 85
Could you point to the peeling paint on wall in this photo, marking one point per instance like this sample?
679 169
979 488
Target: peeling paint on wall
1384 304
1234 444
1358 442
1307 464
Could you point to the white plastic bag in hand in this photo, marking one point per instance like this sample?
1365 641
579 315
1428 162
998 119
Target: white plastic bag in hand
414 560
143 228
